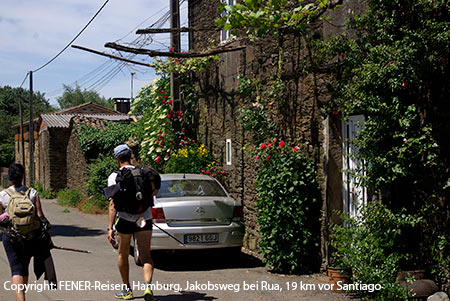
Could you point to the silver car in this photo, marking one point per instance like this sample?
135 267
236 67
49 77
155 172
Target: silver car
198 212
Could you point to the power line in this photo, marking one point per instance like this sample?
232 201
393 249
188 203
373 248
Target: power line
67 46
26 76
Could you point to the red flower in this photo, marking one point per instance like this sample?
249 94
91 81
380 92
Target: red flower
296 148
163 101
170 102
158 159
185 138
274 140
281 143
269 145
213 175
207 172
268 158
262 146
223 172
167 154
168 116
162 91
256 157
184 130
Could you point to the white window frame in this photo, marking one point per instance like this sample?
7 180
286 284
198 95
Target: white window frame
228 151
225 35
354 194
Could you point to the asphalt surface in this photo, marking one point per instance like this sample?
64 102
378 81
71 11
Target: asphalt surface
180 276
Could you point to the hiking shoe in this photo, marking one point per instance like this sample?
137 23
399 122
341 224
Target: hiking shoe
124 294
148 295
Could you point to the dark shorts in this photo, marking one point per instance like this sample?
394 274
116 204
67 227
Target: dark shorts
126 227
19 256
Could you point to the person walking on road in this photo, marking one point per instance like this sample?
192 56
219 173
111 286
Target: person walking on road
128 224
25 226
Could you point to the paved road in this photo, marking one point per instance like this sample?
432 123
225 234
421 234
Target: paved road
181 276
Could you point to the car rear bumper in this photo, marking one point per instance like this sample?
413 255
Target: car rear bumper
229 236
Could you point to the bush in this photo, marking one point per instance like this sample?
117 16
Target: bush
68 197
95 141
189 160
373 248
98 172
44 193
288 209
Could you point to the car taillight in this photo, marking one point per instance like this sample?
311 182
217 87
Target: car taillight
158 215
238 213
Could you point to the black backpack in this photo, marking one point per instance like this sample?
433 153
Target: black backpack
133 192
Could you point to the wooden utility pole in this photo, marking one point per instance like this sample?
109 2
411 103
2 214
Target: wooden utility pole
31 133
175 47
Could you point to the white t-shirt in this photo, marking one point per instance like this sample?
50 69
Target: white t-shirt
127 216
4 197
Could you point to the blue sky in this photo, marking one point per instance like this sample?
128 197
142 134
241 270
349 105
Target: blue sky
32 32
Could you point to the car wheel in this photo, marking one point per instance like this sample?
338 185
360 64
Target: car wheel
137 261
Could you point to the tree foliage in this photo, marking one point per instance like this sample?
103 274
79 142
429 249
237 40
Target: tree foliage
74 96
9 116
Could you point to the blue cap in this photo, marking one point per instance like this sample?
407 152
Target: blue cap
121 149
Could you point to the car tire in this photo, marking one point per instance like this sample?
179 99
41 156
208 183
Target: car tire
137 261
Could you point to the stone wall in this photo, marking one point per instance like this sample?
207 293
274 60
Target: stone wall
298 116
58 140
76 164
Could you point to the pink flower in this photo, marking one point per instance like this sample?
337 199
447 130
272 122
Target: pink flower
262 146
274 140
256 157
404 140
281 143
162 91
203 171
223 172
404 84
255 104
296 148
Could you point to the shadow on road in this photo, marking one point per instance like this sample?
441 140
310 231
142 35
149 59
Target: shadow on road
204 260
185 296
72 231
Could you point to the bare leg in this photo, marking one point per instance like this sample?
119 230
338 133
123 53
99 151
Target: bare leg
122 258
143 239
18 280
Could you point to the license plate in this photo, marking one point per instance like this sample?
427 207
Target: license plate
201 238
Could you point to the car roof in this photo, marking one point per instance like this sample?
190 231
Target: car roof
182 176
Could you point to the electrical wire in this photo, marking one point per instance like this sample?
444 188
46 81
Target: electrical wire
26 76
70 43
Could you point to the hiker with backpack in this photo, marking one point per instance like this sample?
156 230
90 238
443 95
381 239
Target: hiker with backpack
25 231
131 191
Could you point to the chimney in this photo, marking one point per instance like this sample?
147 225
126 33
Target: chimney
122 105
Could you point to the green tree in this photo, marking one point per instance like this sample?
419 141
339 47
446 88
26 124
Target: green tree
74 96
9 115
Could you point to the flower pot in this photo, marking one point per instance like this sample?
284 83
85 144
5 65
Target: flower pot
336 278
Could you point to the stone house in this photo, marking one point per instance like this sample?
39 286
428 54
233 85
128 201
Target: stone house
300 120
58 161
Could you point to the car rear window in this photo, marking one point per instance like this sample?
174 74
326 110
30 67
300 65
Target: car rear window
177 188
